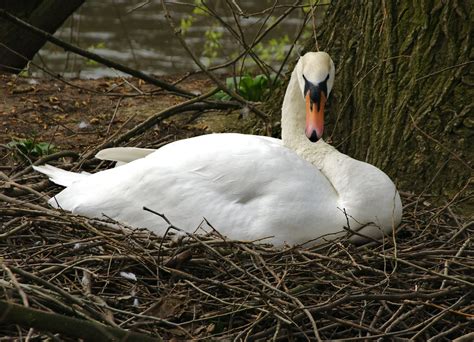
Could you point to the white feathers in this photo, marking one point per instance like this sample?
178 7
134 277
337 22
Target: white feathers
248 187
59 176
123 154
128 275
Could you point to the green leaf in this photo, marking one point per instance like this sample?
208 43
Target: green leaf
31 149
255 88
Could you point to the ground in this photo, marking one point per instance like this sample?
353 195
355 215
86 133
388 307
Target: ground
83 113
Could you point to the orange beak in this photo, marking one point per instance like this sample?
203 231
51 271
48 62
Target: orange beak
315 118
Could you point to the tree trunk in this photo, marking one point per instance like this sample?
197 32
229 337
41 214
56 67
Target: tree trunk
403 92
45 14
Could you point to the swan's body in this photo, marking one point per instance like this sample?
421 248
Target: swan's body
248 187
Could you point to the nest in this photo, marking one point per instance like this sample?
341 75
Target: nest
67 277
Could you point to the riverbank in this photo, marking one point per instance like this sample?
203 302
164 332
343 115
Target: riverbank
81 113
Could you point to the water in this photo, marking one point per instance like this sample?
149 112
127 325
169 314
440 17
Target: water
142 38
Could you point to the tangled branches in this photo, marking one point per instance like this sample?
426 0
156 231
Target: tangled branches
418 285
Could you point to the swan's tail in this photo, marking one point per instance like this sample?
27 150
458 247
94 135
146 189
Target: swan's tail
59 176
123 155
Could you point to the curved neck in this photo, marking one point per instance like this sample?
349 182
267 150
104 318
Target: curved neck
293 121
357 185
293 116
323 156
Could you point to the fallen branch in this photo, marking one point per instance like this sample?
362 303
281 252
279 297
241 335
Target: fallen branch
68 326
190 105
92 56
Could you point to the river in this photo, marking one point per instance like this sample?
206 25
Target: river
136 33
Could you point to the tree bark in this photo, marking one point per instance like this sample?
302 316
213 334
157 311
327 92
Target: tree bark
403 92
45 14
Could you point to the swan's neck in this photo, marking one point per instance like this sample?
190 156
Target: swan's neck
293 114
361 189
336 166
293 121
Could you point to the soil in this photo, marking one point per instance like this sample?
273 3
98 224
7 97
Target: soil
80 114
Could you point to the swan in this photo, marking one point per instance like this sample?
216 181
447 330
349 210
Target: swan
247 187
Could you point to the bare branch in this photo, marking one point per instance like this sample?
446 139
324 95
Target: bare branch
68 47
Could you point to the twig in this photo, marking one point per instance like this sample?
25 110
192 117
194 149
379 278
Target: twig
54 288
68 47
68 326
216 80
46 159
189 105
314 27
28 189
15 282
113 116
439 144
443 70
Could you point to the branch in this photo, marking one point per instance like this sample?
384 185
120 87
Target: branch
191 104
216 80
68 326
46 159
68 47
258 38
357 298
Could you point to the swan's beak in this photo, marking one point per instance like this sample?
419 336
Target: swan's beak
315 116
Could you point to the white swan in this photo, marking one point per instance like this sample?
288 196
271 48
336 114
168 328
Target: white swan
248 187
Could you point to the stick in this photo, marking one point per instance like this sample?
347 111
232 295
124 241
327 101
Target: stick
192 104
216 80
68 326
68 47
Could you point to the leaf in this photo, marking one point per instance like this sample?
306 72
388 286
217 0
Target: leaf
30 148
255 88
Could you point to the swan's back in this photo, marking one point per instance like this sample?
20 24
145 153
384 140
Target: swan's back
247 187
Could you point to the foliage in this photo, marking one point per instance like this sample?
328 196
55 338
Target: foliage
213 35
186 23
25 72
29 148
212 44
250 88
188 20
100 45
274 49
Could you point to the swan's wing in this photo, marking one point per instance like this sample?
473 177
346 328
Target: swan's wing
123 154
248 187
59 176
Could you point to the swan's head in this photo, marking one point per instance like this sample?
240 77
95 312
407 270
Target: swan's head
315 72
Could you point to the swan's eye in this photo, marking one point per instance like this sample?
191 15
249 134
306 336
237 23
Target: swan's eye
315 88
324 87
307 85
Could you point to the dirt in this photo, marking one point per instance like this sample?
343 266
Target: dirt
83 113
